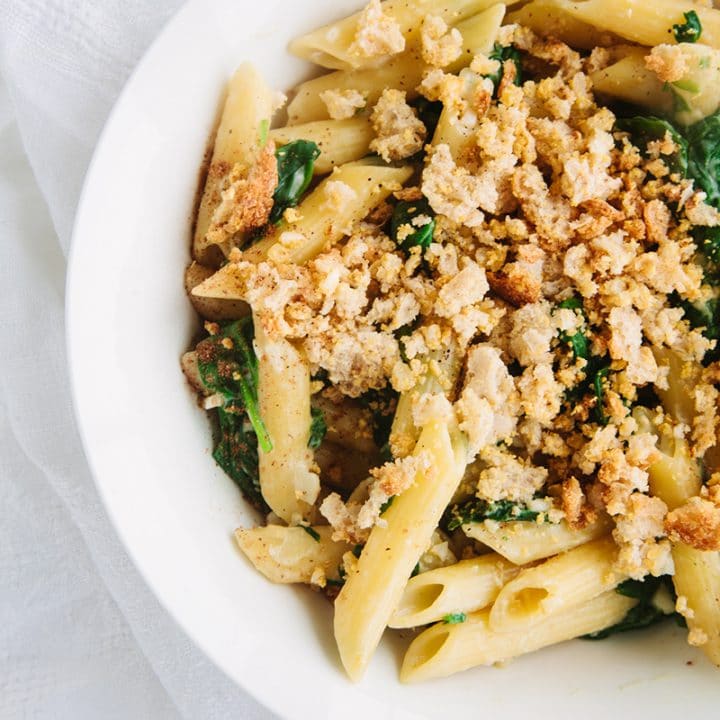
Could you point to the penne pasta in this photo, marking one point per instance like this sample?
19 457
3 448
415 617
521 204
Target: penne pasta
348 424
442 369
332 45
697 580
324 219
216 309
249 103
288 484
373 590
404 71
479 34
674 479
629 80
292 554
446 649
522 542
547 18
464 587
678 398
340 141
643 22
560 583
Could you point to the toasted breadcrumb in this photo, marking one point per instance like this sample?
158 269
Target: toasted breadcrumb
247 198
440 45
343 104
377 34
559 247
696 523
668 62
399 132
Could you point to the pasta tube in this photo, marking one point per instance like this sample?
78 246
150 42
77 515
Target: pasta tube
292 554
404 71
556 585
630 80
211 308
674 479
340 141
522 542
446 649
330 212
546 18
697 579
683 375
646 23
287 483
249 103
332 45
373 590
465 587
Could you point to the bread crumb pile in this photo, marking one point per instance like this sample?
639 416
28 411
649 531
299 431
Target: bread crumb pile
549 225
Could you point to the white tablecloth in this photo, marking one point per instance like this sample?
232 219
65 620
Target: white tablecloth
81 636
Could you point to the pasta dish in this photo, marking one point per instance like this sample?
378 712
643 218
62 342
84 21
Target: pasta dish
461 309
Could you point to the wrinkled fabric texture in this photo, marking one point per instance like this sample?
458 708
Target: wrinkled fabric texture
81 634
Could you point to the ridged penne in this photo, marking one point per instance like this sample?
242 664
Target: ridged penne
522 542
465 587
546 18
697 580
630 80
646 23
340 141
558 584
404 71
324 219
292 554
675 478
446 649
249 103
332 45
374 588
288 484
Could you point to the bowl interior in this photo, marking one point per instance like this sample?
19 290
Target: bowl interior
149 445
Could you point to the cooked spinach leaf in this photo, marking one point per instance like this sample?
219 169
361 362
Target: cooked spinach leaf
429 113
572 303
318 428
311 532
454 618
646 129
237 454
228 366
295 162
689 31
382 404
501 53
403 229
703 141
387 505
476 510
599 386
647 612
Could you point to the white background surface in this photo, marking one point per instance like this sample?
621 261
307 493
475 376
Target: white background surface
80 634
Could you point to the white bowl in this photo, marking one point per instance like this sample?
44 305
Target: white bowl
149 445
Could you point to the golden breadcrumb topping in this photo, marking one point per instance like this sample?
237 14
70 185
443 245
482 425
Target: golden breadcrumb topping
558 270
377 34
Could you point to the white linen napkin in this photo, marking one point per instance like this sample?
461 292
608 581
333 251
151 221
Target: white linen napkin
81 636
